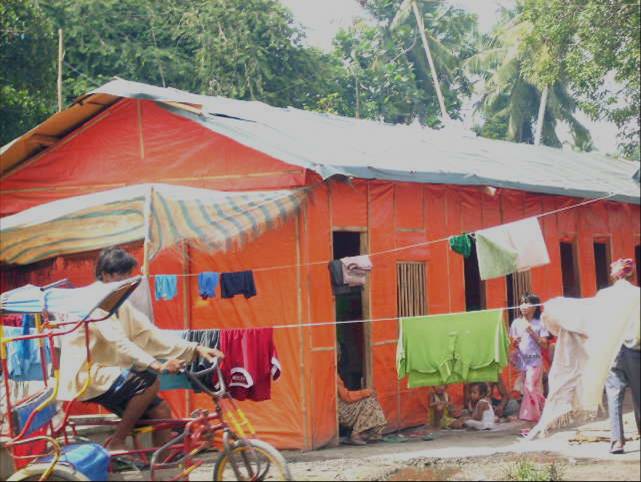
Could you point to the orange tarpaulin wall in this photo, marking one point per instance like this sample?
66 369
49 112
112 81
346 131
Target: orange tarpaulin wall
135 141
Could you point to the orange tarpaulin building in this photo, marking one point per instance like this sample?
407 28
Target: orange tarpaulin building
374 188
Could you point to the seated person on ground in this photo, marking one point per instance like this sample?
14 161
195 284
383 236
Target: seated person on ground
359 411
505 406
125 350
482 414
440 408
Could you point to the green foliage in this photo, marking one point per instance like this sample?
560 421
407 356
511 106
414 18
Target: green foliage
388 76
526 471
27 59
603 62
515 63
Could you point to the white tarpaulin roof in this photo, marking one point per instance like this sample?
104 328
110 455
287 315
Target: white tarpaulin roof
330 145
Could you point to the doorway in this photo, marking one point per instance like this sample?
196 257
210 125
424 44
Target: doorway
351 337
602 264
474 285
570 271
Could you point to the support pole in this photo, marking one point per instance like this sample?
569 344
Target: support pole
430 60
61 55
147 228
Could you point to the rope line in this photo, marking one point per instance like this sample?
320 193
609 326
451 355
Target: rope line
410 246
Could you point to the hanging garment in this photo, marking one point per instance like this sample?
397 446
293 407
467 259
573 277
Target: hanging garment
207 283
511 247
454 348
590 333
23 357
166 287
336 272
356 269
241 283
462 245
250 363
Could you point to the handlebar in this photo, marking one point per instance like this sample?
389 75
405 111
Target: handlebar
196 378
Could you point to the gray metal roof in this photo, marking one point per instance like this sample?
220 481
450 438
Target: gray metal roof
333 145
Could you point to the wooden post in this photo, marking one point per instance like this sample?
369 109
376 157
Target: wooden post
430 60
61 55
147 228
186 282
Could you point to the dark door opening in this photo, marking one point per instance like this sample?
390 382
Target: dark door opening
570 271
637 258
602 265
349 306
474 285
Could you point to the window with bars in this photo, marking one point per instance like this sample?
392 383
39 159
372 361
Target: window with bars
411 289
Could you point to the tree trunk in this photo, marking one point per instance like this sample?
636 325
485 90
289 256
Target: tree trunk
426 46
539 122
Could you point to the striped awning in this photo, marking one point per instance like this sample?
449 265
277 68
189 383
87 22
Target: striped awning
215 219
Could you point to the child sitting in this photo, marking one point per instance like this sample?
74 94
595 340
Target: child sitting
482 414
440 408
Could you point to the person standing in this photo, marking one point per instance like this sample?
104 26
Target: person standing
529 337
626 369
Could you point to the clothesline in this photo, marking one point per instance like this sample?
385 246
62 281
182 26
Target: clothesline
375 320
409 246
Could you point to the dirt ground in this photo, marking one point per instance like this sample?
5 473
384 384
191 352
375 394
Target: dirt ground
476 456
580 453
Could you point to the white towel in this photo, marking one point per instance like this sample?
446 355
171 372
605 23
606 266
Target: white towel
522 242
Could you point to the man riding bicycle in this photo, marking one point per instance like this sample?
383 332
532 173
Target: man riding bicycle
125 352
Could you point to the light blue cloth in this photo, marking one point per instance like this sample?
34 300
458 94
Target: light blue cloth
23 357
207 283
166 287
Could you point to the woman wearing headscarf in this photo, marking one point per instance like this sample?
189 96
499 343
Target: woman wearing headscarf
625 372
360 411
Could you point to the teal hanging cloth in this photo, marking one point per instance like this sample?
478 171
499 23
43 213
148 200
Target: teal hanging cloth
462 244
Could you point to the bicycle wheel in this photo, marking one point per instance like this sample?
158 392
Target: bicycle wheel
60 472
263 458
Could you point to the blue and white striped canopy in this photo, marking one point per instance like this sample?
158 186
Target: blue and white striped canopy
215 219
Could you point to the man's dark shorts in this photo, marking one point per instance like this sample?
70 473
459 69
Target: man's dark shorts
129 384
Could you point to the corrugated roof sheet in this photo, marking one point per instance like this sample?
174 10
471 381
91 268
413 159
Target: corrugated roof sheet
333 145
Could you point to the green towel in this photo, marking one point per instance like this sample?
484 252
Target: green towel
494 260
462 244
455 348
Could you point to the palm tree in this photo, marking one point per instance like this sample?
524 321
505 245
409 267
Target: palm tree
513 102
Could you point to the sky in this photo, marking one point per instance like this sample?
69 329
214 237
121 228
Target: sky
322 19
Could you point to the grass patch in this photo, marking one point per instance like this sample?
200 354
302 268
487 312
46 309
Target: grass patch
527 471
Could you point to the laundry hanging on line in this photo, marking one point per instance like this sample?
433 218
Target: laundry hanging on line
249 367
207 284
590 334
511 247
336 275
24 359
250 364
356 269
240 283
462 245
166 287
452 348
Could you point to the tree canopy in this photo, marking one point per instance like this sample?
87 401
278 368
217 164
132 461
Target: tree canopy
584 55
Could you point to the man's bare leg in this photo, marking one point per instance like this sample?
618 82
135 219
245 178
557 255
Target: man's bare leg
135 409
161 437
